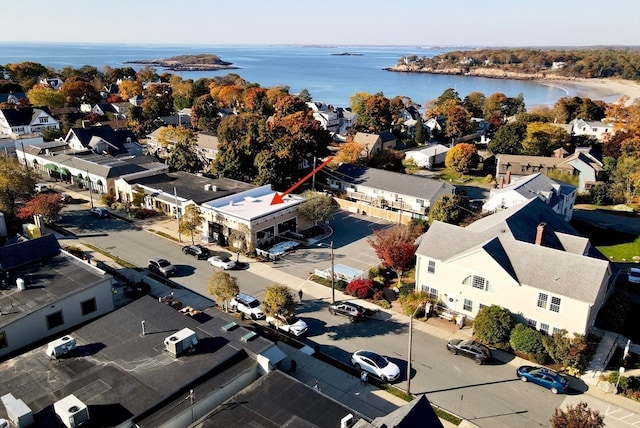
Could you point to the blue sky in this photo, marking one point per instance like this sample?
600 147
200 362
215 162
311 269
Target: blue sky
325 22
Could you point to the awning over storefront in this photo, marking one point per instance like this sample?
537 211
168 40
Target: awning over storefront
51 167
80 177
99 182
64 171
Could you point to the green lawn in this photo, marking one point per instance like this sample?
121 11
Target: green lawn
616 246
454 178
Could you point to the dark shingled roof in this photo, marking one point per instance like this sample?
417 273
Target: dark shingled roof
21 116
116 137
417 413
28 252
277 400
413 185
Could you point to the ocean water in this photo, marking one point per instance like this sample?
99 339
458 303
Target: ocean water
328 77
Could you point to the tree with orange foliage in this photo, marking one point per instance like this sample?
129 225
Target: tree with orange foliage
78 90
129 89
461 158
350 152
395 246
47 205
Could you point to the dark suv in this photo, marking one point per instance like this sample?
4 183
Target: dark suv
470 349
350 310
197 251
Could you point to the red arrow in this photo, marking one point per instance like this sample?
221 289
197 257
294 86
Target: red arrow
277 198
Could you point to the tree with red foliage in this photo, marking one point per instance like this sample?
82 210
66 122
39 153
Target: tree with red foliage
47 205
360 288
577 416
114 98
395 246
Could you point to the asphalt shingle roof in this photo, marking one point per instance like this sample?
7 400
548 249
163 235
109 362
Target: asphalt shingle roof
404 184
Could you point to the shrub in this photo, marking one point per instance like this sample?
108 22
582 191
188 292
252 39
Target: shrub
493 325
566 351
360 288
622 381
412 300
108 199
488 179
405 290
384 304
528 340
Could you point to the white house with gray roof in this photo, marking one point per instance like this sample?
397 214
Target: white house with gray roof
428 157
526 259
393 191
561 197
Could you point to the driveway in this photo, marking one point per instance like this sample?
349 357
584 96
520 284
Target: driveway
622 222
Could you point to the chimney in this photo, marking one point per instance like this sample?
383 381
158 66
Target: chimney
500 182
539 233
508 180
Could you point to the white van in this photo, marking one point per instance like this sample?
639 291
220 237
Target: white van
634 275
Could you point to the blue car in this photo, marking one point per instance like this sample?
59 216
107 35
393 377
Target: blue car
544 377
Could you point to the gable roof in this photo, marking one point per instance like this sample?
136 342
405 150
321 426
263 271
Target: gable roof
404 184
417 413
23 116
116 138
558 265
431 150
521 222
537 185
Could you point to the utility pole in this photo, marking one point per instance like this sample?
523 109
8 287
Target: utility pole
90 188
175 195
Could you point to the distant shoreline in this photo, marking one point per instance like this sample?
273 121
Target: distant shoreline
609 90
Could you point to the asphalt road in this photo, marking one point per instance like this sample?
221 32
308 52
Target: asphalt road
490 396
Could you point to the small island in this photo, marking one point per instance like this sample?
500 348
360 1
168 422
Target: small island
199 62
347 54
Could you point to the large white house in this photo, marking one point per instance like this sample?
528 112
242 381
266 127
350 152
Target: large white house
561 197
27 120
526 259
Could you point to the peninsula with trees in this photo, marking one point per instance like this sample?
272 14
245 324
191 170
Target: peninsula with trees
199 62
530 64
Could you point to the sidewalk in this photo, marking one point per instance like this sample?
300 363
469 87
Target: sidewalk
367 399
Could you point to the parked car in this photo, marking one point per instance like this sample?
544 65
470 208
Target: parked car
162 266
100 212
350 310
634 275
197 251
375 364
248 305
65 198
289 324
543 376
221 262
41 187
470 349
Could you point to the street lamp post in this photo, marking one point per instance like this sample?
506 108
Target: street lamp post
420 306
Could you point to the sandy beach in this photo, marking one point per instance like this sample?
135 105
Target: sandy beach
608 90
